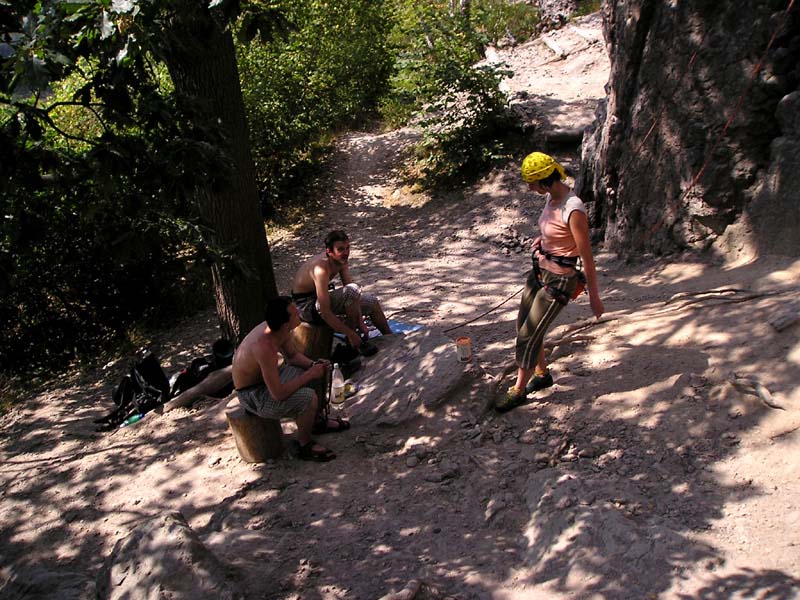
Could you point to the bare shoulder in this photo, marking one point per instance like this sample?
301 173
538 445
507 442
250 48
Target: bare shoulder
255 350
311 270
264 347
319 265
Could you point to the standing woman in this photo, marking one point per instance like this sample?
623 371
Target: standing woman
564 237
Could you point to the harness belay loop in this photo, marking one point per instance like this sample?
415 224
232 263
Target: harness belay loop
568 262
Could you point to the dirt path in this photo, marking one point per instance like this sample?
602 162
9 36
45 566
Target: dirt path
642 473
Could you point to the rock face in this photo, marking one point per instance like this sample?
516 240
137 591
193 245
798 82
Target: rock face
163 558
679 72
554 13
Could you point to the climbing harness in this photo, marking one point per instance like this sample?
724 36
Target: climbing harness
568 262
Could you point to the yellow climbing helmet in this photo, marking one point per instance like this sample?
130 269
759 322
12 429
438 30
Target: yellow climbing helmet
538 165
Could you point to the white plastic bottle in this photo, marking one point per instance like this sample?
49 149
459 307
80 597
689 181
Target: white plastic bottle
337 386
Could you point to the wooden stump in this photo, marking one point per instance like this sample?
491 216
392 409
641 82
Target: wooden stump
316 342
257 439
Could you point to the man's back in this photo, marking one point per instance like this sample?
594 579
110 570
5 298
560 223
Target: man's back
256 348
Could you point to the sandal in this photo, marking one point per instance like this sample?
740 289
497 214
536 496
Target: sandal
512 399
307 452
324 426
539 382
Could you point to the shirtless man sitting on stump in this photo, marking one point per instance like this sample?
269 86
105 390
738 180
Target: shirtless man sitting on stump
319 305
274 393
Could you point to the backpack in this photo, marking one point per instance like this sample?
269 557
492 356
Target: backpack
146 387
188 377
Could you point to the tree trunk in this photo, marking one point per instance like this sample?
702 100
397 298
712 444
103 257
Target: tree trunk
201 60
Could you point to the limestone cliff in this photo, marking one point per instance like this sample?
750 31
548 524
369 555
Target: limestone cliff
679 72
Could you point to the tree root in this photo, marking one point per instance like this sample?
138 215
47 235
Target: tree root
682 295
754 388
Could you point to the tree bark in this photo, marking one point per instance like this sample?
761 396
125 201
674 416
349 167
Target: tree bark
201 60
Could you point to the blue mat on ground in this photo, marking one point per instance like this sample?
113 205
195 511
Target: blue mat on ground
397 327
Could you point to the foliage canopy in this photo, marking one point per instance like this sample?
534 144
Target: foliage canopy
100 161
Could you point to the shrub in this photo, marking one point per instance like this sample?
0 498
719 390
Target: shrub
325 74
463 112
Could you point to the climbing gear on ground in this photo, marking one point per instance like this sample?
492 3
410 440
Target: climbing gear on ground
144 388
539 382
538 165
512 399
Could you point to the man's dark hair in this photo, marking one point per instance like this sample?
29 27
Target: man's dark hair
276 312
337 235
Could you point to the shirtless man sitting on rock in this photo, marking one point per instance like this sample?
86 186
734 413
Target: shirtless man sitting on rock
319 305
274 393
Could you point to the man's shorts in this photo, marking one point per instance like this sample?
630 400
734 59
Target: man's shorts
256 399
341 298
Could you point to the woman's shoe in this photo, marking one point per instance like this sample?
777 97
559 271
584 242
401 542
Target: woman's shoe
539 382
512 399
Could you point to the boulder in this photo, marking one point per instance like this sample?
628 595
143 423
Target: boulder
411 374
580 530
553 14
164 558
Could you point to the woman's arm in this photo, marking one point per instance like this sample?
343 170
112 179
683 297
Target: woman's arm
579 226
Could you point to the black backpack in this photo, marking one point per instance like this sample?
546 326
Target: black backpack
146 387
221 356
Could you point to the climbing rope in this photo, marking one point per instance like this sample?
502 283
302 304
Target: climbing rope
494 308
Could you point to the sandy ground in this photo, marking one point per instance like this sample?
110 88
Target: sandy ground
643 401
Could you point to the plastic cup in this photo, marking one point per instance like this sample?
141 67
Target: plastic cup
464 348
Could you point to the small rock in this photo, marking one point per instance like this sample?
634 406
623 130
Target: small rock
215 460
494 506
412 461
450 474
541 457
564 503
